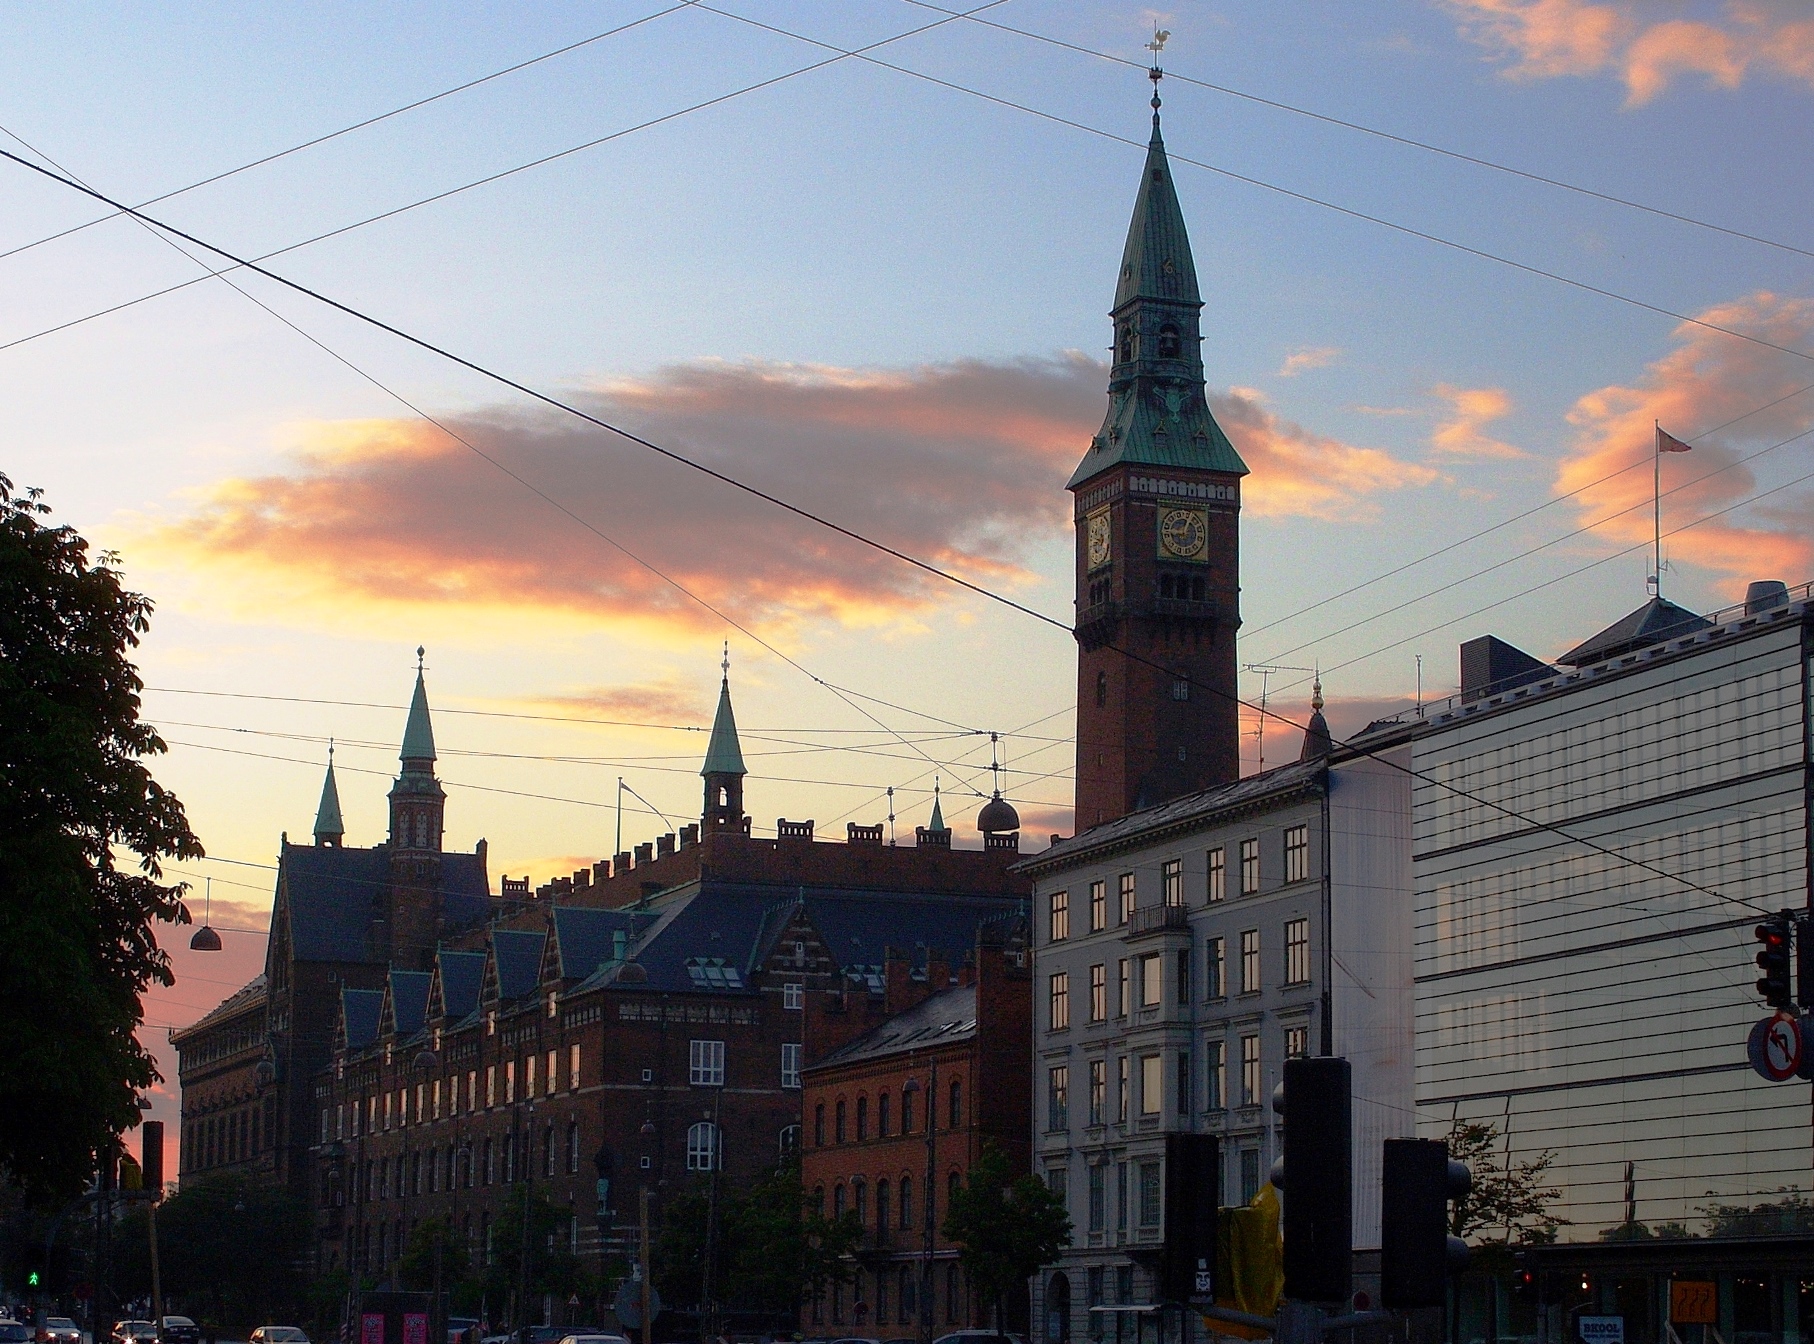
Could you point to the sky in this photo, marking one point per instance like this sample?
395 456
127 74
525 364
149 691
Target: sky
874 286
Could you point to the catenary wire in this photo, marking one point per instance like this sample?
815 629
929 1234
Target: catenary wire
1407 141
841 530
360 125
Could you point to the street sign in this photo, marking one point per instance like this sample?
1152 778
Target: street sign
1602 1329
628 1303
1775 1047
1694 1302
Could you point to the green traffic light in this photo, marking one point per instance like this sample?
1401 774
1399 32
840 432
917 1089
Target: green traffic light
31 1279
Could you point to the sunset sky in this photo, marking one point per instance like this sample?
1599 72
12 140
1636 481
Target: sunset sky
879 293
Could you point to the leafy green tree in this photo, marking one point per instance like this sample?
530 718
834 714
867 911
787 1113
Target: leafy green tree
678 1250
418 1268
781 1247
551 1266
1793 1213
1507 1195
76 943
1005 1227
229 1247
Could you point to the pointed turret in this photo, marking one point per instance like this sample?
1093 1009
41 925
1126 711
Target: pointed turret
938 813
934 834
724 770
329 830
1317 742
417 799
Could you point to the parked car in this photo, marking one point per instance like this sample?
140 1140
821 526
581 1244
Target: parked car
278 1334
462 1330
181 1330
979 1337
59 1330
14 1332
129 1332
593 1339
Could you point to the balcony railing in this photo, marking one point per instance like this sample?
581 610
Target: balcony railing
1159 919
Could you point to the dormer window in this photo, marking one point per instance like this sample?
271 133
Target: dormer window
1169 342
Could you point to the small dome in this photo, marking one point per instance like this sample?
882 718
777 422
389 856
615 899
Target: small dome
997 815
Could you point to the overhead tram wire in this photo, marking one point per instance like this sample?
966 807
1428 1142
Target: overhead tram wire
360 125
1305 197
1527 553
1363 129
882 547
486 180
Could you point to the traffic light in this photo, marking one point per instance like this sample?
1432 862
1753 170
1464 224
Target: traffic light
1317 1175
152 1136
1193 1196
1416 1252
1773 960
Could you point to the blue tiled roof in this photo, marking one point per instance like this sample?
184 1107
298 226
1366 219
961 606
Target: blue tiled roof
333 893
584 938
939 1020
462 977
518 956
409 1000
360 1010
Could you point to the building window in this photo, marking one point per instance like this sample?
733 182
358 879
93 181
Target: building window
1150 1202
509 1084
1250 867
1218 874
1059 1000
1215 1075
790 1140
705 1063
1060 923
1250 1174
859 1205
1152 1084
1125 887
906 1201
862 1118
1098 1196
1171 881
1180 688
1125 991
1099 1087
884 1114
1250 1070
1121 1089
838 1124
572 1146
1099 906
529 1076
819 1125
1121 1194
552 1076
1185 1083
1099 993
1297 951
1058 1106
491 1084
1215 968
956 1103
702 1146
1297 853
573 1068
1250 961
472 1089
793 996
1297 1042
489 1171
1152 975
906 1111
791 1052
1058 1181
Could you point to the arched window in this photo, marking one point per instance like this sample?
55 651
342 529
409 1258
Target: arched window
838 1128
819 1201
790 1140
882 1116
906 1201
862 1118
1058 1309
819 1125
859 1199
837 1200
957 1103
702 1146
906 1112
1170 345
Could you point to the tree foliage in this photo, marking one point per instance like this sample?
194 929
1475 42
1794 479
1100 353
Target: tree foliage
771 1247
1506 1196
76 944
551 1266
1793 1213
1005 1226
430 1236
230 1250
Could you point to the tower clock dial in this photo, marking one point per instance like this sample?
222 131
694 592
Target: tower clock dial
1097 539
1183 533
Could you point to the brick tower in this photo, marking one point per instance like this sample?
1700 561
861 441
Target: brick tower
1158 499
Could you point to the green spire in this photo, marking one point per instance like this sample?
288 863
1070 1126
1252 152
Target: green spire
418 734
328 827
1158 410
938 815
723 754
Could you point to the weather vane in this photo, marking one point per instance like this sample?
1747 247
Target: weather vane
726 665
1156 46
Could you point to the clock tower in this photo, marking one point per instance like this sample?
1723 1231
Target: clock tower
1157 507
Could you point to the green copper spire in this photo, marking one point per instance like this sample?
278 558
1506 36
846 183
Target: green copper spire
938 814
723 754
418 734
329 829
1158 411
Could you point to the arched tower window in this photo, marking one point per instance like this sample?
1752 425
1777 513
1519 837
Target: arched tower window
1129 342
1170 344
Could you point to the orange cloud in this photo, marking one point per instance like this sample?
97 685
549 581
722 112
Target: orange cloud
1707 380
963 464
1307 475
1474 409
670 701
1540 39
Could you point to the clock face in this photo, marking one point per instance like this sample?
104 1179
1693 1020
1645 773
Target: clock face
1183 533
1097 534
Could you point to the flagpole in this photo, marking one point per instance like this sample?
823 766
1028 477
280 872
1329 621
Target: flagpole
1656 504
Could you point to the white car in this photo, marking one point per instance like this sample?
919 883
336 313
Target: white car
278 1334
